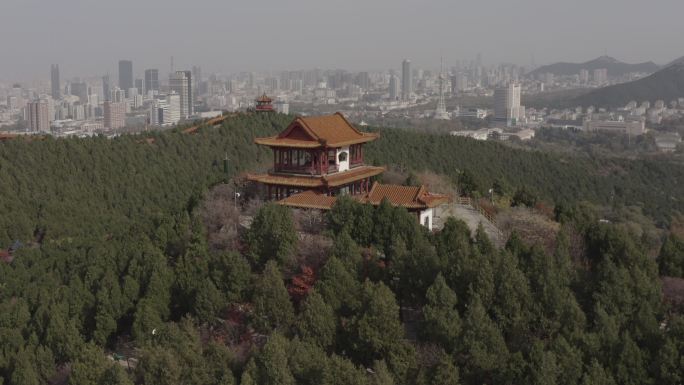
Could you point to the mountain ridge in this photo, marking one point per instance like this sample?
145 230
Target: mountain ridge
614 66
666 84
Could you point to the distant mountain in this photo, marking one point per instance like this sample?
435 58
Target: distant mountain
675 61
614 67
666 84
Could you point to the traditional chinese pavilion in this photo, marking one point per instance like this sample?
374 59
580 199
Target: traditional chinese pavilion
316 159
323 154
264 103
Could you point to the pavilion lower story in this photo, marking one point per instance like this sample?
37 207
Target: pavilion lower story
279 185
277 191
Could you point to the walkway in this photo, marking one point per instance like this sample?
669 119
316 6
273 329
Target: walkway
471 216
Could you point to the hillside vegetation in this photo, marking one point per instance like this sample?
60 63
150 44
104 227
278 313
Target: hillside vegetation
116 260
654 185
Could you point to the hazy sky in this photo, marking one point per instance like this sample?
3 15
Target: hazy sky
88 37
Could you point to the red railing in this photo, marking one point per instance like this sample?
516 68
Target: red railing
307 170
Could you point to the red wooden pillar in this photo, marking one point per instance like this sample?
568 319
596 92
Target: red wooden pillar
319 157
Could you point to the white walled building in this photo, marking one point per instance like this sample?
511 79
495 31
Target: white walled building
507 104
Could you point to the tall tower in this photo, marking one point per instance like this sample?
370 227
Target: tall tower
406 80
181 83
507 104
441 112
125 75
152 80
54 77
106 88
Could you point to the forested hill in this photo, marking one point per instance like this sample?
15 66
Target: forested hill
119 261
91 187
656 185
666 84
76 187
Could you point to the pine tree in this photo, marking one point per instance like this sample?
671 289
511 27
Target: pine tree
272 306
316 321
482 344
272 235
272 362
338 287
442 323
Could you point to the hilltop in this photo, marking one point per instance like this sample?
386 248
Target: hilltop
666 84
615 67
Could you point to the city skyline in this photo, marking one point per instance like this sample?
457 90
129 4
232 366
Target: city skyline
230 38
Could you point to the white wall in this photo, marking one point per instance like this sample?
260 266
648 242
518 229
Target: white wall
429 215
342 166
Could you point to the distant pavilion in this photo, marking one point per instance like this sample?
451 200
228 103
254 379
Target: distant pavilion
264 104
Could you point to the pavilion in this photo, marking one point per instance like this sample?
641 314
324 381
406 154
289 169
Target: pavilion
316 159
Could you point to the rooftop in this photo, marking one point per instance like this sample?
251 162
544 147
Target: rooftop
409 197
264 99
318 131
331 180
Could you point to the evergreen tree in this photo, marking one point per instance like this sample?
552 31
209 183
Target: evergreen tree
272 306
338 287
442 323
543 366
272 235
597 375
272 363
671 258
482 345
317 323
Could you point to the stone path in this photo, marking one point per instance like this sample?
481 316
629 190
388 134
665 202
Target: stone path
471 217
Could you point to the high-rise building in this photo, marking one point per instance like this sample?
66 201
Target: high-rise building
394 87
152 80
507 104
117 95
196 77
459 83
54 77
140 85
363 80
181 83
80 89
37 115
584 76
166 111
601 76
406 80
125 74
106 88
114 115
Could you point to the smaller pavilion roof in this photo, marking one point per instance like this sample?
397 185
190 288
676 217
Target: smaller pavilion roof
409 197
264 99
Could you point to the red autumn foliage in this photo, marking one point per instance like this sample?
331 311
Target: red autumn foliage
544 209
301 284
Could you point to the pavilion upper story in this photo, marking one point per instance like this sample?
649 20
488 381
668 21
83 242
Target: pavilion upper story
322 153
318 145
